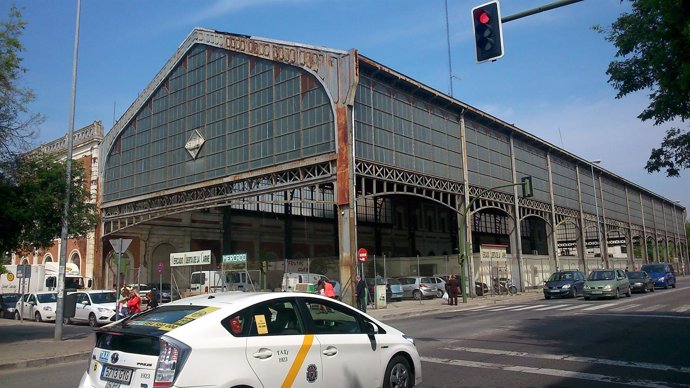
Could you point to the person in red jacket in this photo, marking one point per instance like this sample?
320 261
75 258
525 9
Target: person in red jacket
133 303
328 289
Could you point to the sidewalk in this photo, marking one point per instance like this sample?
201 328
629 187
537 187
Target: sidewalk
30 344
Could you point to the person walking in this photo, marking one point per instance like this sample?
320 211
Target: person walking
361 294
152 297
328 289
454 288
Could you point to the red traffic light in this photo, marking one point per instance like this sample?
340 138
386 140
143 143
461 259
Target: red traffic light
484 17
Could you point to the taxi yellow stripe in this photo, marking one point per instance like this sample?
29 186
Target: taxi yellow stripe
299 360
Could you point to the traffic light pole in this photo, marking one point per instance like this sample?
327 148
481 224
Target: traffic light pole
464 245
537 10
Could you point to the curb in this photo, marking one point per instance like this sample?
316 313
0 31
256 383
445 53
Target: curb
45 361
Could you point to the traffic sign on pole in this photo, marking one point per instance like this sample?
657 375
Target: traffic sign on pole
362 255
160 267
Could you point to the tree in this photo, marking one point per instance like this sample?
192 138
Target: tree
33 192
17 127
653 43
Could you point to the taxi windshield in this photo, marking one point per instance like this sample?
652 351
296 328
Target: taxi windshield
103 297
47 298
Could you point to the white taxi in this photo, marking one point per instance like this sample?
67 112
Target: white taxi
95 307
253 340
39 306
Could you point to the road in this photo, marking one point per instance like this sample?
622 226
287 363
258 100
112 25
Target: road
640 341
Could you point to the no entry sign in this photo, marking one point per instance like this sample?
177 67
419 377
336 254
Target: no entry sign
362 255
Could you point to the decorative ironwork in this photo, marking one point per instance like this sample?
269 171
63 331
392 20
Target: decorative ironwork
245 190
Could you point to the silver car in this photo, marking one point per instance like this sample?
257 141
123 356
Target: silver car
418 287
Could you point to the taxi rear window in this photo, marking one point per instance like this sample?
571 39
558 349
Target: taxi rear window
167 318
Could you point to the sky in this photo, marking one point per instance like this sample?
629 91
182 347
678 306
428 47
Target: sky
551 82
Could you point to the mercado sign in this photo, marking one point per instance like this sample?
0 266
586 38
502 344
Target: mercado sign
190 258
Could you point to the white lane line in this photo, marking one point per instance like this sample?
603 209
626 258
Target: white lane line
682 309
554 372
653 307
626 307
550 307
566 357
536 306
601 306
506 308
479 308
577 306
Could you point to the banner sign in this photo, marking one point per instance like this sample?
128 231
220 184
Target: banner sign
493 252
190 258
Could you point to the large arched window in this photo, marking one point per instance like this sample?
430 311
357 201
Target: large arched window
75 259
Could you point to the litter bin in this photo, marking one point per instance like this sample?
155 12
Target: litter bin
380 291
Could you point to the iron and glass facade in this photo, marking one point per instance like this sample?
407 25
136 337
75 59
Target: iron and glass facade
238 123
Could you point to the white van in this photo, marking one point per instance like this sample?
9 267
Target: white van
207 281
218 281
291 279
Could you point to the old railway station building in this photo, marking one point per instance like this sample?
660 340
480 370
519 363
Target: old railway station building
298 156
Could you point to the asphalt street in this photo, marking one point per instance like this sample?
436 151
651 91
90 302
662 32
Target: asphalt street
639 341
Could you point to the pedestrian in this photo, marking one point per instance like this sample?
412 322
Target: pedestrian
454 287
152 296
122 302
133 303
328 289
361 294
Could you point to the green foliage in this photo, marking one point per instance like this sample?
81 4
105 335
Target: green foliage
653 43
34 200
16 126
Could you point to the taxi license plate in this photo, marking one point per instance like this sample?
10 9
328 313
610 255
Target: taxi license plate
115 374
555 291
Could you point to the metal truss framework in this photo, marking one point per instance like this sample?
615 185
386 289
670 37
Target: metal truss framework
240 191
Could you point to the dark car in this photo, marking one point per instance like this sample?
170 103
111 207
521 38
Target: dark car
564 284
663 274
640 281
164 294
8 304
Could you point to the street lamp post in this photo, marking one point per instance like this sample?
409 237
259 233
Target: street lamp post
596 208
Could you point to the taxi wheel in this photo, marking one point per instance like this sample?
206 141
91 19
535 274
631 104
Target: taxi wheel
37 316
92 320
16 316
398 374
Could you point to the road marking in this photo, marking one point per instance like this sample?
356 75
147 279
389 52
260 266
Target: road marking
479 308
601 306
626 307
577 306
530 307
566 357
505 308
551 307
653 307
553 372
647 315
682 309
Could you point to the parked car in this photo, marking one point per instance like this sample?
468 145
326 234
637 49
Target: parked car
95 307
39 306
396 289
640 281
165 294
440 284
663 274
418 287
564 283
8 304
264 336
606 283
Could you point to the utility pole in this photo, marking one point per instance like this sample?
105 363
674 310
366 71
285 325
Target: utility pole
59 308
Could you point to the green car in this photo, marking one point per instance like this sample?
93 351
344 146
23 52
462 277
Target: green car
608 283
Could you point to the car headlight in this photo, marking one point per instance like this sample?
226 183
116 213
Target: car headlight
662 279
546 287
103 310
47 308
607 287
566 286
586 287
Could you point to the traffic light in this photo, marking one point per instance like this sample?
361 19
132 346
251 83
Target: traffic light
488 31
527 190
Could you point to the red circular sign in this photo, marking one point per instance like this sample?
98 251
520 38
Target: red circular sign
362 254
